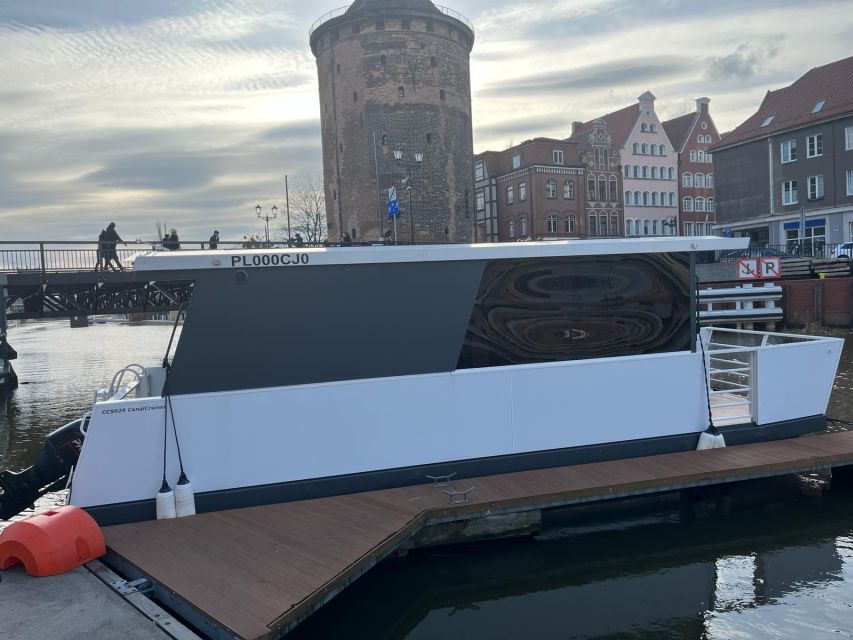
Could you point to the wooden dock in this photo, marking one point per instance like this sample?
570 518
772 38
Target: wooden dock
256 573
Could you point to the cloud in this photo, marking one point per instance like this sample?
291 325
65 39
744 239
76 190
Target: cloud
597 76
749 60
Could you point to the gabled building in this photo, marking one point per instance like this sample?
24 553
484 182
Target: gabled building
604 213
691 136
648 163
785 175
531 191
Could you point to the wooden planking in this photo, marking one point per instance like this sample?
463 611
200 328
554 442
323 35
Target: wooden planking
260 570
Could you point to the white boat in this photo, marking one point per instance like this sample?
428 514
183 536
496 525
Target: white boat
310 372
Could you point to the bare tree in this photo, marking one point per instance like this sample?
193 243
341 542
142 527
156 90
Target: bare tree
307 209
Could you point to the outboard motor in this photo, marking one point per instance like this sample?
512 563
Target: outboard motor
57 456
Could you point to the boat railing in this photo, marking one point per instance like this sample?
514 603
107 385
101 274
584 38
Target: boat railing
121 388
733 361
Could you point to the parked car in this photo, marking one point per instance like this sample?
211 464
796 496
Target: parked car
753 252
843 250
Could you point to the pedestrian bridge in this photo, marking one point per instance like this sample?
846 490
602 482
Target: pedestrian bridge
62 279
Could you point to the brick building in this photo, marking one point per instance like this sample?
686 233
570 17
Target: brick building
691 136
395 100
785 175
533 190
649 166
603 203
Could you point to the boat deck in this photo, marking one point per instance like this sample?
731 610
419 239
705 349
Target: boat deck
258 572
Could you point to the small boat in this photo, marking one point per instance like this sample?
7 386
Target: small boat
308 372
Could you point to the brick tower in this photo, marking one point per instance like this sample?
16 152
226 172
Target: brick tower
395 100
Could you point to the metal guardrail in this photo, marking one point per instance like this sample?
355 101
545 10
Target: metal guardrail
740 305
337 13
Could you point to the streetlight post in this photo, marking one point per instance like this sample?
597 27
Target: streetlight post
419 158
266 218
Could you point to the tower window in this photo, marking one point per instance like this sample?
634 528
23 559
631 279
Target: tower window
384 139
432 61
406 23
380 25
356 27
384 58
338 69
442 94
429 138
341 147
355 96
401 92
335 35
430 26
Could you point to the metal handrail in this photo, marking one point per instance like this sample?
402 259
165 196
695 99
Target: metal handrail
337 13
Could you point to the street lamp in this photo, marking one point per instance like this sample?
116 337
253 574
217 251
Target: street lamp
266 218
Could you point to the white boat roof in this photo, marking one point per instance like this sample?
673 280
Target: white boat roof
280 257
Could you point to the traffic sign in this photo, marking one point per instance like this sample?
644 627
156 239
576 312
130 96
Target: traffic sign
392 194
771 267
748 269
393 208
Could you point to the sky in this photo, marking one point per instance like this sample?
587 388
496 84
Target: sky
191 112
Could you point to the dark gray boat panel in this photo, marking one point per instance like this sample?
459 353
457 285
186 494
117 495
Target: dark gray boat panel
269 327
278 327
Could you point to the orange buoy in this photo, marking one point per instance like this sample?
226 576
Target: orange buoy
52 542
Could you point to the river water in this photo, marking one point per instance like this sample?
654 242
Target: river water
780 565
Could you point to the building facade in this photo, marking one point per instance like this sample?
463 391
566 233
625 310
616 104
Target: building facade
604 213
532 191
648 164
691 136
785 175
395 100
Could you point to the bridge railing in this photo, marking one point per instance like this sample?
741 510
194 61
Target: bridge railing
21 256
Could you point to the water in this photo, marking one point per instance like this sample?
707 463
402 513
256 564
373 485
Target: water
59 369
777 567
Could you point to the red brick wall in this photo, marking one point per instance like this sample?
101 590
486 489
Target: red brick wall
827 301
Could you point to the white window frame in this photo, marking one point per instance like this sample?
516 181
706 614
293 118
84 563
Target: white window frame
687 203
550 188
479 170
516 161
568 190
789 146
789 192
569 223
850 182
558 157
699 204
693 155
522 227
848 138
699 180
522 191
815 187
552 223
687 179
709 180
812 144
688 228
510 194
480 199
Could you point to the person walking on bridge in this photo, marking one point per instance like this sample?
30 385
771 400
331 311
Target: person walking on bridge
99 263
111 240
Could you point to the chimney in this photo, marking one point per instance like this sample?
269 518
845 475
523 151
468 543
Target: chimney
702 105
575 126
